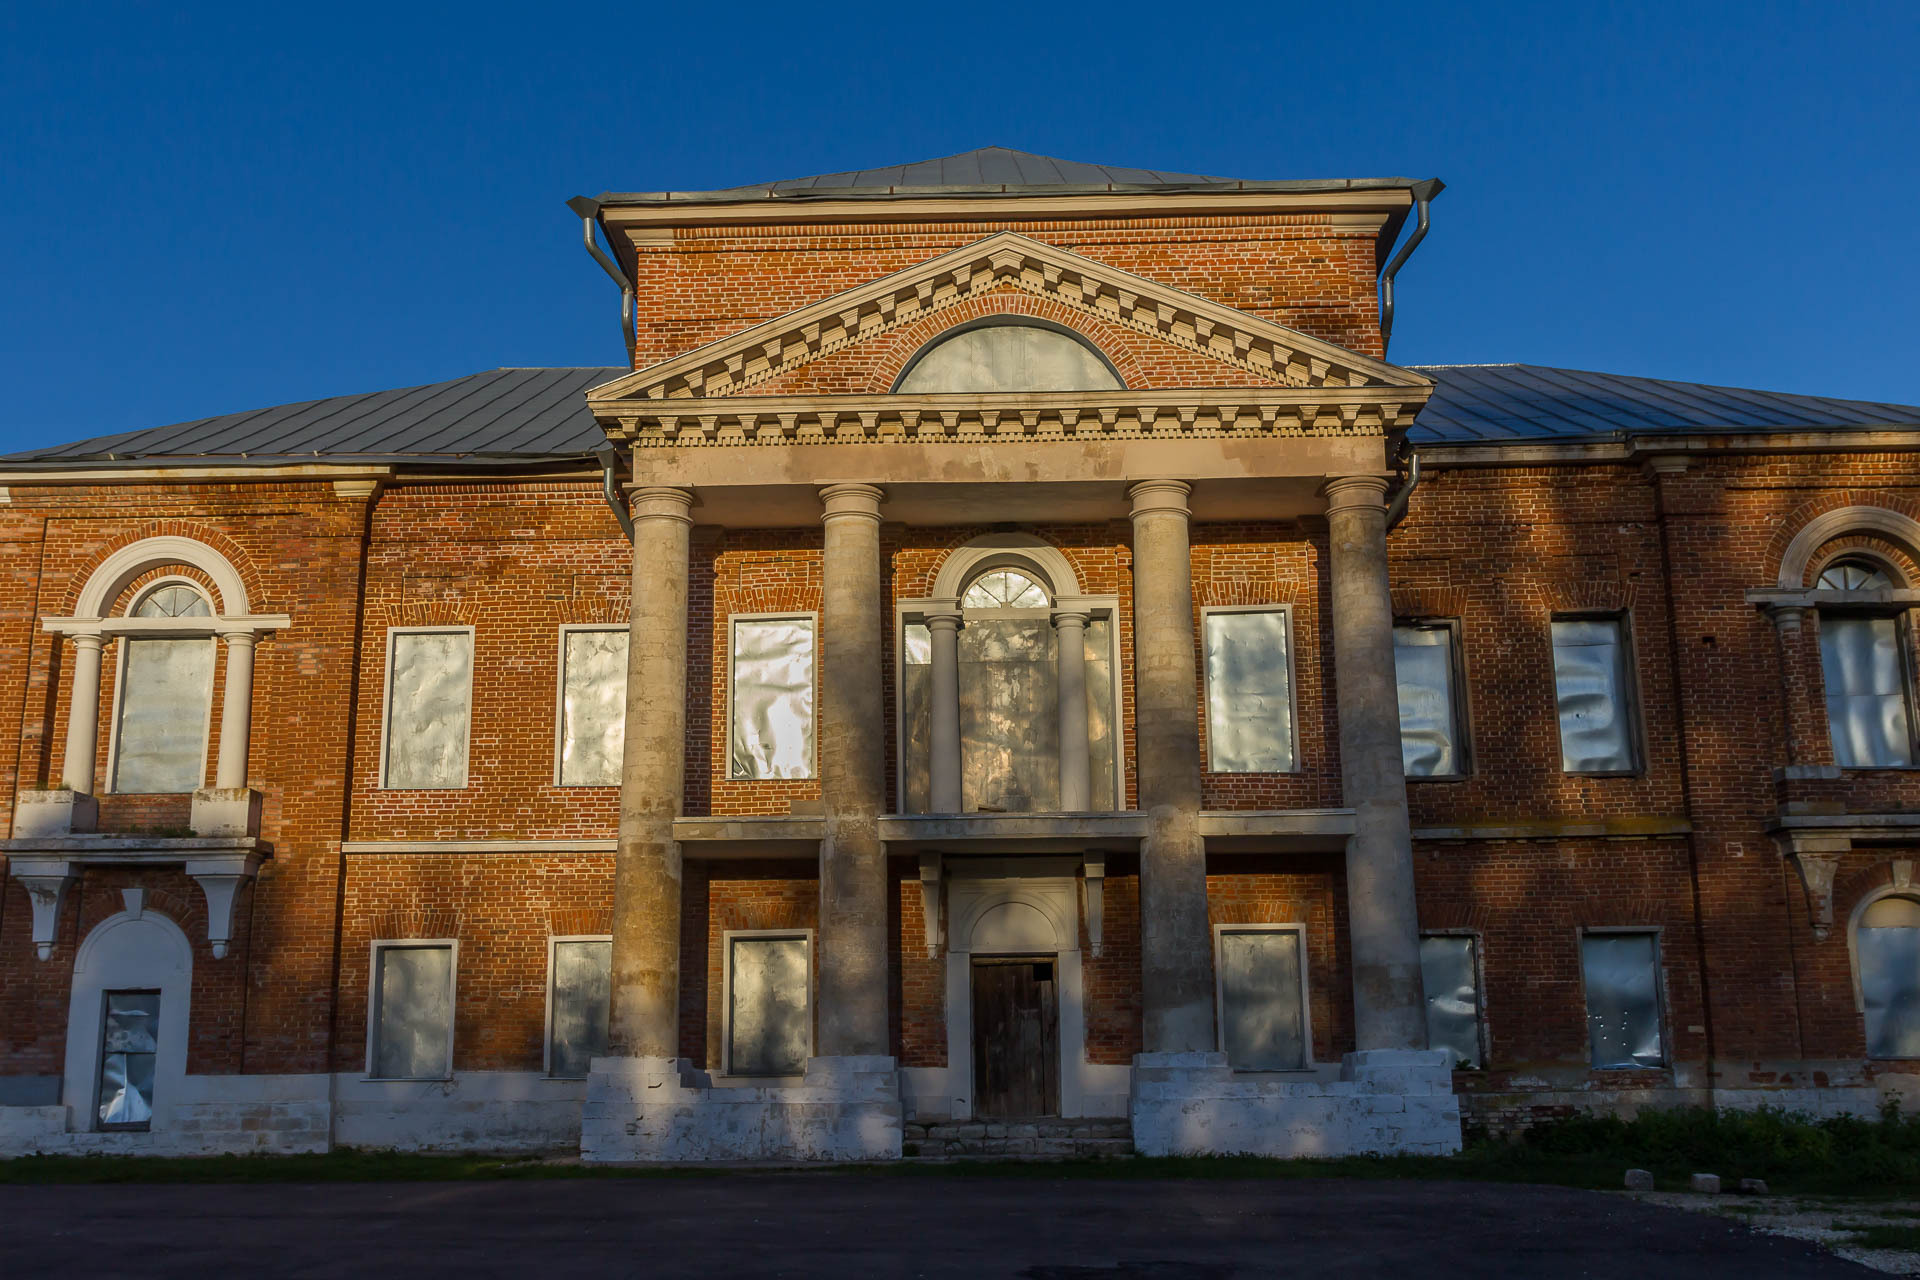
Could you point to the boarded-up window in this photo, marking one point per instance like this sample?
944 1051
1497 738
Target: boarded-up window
1451 977
1888 945
1424 664
1622 972
412 1012
1263 1017
166 691
1009 715
593 707
578 1004
769 1013
429 707
1867 712
1249 693
129 1046
772 698
1592 682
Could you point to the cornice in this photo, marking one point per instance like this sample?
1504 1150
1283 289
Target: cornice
733 365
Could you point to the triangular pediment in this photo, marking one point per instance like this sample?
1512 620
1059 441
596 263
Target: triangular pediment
1268 352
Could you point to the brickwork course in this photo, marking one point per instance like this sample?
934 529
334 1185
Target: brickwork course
1758 976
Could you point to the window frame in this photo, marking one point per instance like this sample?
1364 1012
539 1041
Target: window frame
726 996
1293 691
1911 892
386 701
1299 929
97 1125
1480 1034
1462 710
379 945
1902 616
568 629
1660 1002
812 617
553 942
1630 685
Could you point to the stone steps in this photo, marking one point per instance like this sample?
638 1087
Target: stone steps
1038 1139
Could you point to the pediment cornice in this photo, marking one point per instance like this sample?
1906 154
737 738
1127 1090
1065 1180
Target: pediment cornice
735 365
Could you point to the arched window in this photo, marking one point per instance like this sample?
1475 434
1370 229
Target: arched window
172 600
1004 589
1864 665
1003 355
1887 944
1854 575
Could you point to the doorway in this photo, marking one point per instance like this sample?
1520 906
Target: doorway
1016 1037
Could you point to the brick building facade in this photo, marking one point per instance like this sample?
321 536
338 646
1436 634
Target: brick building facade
1005 649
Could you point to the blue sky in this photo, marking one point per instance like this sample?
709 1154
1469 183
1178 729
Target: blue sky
208 207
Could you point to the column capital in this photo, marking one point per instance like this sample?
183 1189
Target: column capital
860 501
87 640
654 502
1150 496
1343 492
240 639
942 615
1070 618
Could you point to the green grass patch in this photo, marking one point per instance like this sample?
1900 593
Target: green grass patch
1885 1237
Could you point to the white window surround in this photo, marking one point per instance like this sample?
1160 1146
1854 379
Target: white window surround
727 938
378 945
1293 684
1902 887
386 700
812 619
554 941
1658 934
1220 992
136 949
1880 522
560 698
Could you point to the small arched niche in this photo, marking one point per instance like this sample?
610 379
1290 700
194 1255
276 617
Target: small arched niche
1007 354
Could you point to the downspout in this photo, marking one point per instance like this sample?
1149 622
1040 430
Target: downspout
589 210
1397 509
1423 194
610 489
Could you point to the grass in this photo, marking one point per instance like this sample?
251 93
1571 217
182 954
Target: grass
1839 1157
1884 1237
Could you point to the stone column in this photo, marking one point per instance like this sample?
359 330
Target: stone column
645 1021
1388 1006
1070 656
853 862
1176 961
943 729
83 716
236 712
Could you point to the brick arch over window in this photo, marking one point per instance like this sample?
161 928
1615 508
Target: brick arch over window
905 343
1872 519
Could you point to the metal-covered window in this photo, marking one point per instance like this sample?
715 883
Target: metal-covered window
1622 973
1887 945
1593 683
429 708
770 674
160 727
1262 996
1450 973
593 706
1427 670
410 1024
1869 684
1249 664
769 1003
579 994
129 1045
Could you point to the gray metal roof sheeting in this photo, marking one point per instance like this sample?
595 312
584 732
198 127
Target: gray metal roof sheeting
525 415
990 171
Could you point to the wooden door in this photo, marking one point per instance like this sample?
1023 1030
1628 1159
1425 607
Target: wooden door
1016 1049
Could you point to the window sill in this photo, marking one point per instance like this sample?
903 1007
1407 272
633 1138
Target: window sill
446 1079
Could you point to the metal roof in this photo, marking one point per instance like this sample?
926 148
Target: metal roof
529 415
990 171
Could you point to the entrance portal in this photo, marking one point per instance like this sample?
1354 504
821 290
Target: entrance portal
1016 1050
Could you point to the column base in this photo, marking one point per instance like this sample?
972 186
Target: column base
59 812
662 1110
1386 1102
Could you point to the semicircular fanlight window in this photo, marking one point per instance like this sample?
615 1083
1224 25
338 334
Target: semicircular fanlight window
1004 589
173 601
1007 357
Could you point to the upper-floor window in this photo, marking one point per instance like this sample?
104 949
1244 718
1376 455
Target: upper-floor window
593 706
1249 670
1594 689
429 707
165 699
770 676
1007 355
1426 660
1869 682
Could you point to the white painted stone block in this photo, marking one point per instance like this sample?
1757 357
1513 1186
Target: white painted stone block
53 813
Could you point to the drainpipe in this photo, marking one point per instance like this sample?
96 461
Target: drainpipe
1397 509
610 489
1423 194
589 210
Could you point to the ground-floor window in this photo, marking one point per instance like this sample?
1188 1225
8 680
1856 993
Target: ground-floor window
129 1045
1622 973
769 1003
1450 973
1888 945
580 985
412 1016
1262 994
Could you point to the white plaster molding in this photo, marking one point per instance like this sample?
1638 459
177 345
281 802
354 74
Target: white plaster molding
1902 887
930 901
47 866
114 573
46 883
995 550
1824 528
1096 881
140 950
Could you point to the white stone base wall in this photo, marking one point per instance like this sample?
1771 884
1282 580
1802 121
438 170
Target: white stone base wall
473 1111
1386 1102
209 1115
662 1110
